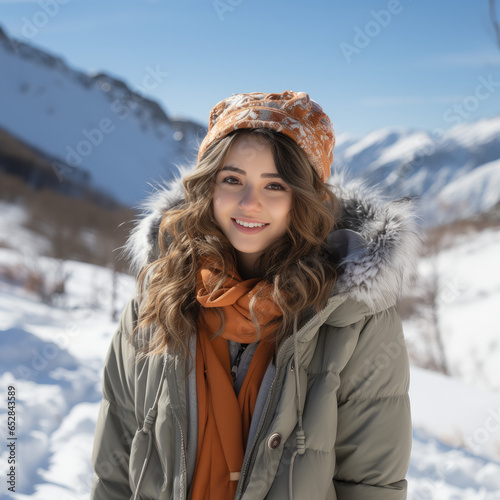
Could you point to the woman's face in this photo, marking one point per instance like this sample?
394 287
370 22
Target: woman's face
251 201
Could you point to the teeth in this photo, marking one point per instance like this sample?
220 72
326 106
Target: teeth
249 224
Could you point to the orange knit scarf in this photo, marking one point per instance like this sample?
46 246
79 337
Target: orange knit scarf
224 418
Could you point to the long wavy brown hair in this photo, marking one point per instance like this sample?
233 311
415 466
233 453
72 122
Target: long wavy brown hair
300 270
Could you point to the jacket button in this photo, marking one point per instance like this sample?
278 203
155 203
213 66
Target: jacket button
274 441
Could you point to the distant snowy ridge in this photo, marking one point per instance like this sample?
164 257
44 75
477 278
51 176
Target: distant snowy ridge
454 174
96 122
475 192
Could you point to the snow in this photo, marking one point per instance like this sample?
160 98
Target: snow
344 139
441 472
469 282
462 414
470 134
13 234
376 139
475 192
54 356
403 148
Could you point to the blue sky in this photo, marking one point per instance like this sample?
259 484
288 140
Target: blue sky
420 64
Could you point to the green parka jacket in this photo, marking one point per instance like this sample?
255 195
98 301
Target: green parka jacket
346 368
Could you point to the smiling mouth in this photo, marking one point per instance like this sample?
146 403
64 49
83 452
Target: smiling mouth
250 224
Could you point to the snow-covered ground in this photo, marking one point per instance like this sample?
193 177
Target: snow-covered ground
53 356
468 300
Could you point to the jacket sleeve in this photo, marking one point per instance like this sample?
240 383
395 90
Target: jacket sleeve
116 423
374 433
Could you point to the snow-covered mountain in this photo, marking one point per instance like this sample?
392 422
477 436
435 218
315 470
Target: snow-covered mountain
94 122
125 141
455 173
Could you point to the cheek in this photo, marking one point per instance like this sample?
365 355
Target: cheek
221 204
283 211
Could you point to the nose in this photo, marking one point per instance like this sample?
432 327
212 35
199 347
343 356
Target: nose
250 200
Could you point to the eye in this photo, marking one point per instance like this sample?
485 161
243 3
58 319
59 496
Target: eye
230 180
276 186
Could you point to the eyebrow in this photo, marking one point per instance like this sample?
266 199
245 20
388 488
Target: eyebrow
242 172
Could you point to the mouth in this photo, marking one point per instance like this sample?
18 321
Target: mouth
250 224
249 227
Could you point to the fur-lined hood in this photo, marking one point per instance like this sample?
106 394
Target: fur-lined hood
379 241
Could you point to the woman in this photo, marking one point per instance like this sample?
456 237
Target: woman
262 355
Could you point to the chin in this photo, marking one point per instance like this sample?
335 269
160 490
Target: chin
249 250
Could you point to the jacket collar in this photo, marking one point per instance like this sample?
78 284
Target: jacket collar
378 240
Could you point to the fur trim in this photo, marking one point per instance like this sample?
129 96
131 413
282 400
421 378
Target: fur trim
142 247
382 241
379 272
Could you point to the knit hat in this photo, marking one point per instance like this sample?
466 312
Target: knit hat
291 113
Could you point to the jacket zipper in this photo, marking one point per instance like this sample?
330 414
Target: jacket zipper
183 456
246 464
279 368
236 364
174 407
